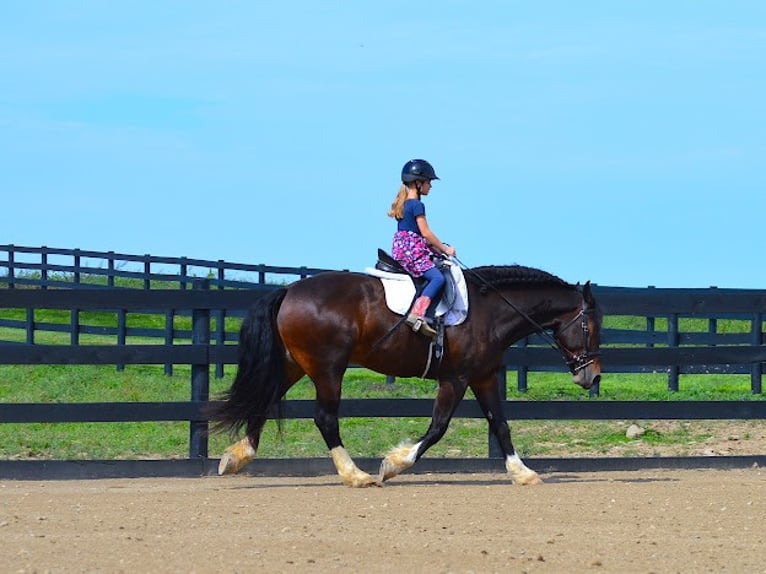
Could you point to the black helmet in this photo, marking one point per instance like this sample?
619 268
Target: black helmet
418 170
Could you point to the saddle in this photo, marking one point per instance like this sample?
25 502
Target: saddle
451 309
390 265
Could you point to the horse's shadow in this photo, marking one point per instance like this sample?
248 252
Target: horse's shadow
568 478
436 482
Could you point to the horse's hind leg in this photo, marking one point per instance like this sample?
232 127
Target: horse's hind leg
488 398
242 452
328 389
237 456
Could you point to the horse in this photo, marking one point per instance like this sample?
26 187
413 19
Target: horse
319 325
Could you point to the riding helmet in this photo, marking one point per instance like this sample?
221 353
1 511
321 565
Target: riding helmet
418 170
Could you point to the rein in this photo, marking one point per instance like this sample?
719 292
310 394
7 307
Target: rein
574 362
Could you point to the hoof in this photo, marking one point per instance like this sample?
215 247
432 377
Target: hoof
389 470
531 480
349 473
397 461
360 480
228 464
521 473
363 480
236 457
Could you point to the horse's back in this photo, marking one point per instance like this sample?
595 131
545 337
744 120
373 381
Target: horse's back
330 300
332 287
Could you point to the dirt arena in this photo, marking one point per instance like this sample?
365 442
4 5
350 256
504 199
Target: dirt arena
644 521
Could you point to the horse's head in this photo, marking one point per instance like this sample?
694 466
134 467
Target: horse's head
541 302
578 335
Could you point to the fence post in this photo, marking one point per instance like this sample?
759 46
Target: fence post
502 381
74 327
673 339
221 272
220 318
595 390
122 332
756 369
169 315
220 338
44 267
11 267
110 267
147 271
76 260
30 326
522 371
184 271
200 376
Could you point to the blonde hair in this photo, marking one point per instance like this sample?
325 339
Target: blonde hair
397 207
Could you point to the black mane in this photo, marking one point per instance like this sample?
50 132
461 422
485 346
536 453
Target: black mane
514 275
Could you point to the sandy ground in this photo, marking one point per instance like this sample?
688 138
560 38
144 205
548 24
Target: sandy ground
645 521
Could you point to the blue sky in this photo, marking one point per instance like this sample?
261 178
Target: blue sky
620 142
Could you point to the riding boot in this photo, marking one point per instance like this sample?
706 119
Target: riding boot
417 320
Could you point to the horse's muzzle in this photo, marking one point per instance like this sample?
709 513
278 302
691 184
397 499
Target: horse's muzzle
588 376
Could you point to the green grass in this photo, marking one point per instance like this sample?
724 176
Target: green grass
300 438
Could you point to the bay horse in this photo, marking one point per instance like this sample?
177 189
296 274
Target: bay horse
319 325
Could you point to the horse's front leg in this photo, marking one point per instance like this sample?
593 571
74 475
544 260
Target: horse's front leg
326 420
405 455
487 395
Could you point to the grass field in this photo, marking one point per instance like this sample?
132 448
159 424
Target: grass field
363 437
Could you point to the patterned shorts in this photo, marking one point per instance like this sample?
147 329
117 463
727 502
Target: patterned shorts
412 251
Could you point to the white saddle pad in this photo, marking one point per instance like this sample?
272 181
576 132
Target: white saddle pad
400 291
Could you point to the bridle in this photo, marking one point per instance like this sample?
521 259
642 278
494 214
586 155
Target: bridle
575 362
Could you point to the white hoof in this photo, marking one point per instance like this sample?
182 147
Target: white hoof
397 461
236 457
349 473
360 480
520 473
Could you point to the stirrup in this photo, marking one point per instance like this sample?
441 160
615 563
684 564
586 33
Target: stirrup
420 325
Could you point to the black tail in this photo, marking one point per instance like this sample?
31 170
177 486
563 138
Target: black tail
260 377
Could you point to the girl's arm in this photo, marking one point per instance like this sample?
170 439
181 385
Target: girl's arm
430 236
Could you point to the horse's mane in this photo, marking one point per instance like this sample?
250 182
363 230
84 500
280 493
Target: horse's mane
514 276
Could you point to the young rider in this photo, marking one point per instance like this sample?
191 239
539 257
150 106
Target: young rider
414 242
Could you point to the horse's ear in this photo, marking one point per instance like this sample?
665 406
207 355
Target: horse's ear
587 294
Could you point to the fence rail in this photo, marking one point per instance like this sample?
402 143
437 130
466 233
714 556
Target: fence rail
46 267
699 350
677 332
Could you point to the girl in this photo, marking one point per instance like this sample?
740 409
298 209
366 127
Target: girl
414 242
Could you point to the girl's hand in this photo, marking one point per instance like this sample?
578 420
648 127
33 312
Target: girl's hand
450 251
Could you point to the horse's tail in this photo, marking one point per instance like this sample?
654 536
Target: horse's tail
260 378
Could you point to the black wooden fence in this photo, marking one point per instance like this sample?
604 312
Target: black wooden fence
51 267
664 343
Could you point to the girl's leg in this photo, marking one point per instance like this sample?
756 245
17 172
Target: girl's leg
433 289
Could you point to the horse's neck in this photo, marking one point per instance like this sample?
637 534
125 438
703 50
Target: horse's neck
542 307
